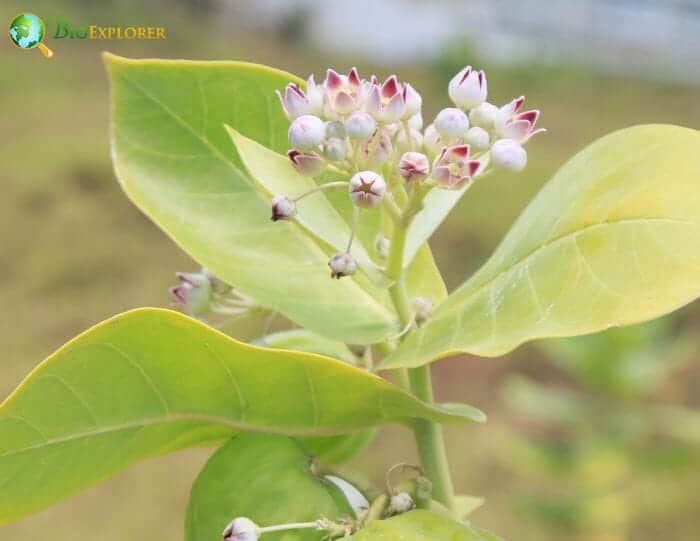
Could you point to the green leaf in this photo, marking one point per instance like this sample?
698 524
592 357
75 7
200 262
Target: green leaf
612 239
176 162
303 340
267 479
151 381
331 449
420 525
465 505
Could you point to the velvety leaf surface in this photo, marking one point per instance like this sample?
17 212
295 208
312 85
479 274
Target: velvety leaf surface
612 239
176 162
266 478
420 525
151 381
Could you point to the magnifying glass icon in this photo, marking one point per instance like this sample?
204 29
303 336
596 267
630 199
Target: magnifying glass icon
27 32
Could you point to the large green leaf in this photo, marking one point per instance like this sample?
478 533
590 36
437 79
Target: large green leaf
175 160
612 239
421 525
267 479
152 381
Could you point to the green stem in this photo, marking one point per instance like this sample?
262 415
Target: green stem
428 435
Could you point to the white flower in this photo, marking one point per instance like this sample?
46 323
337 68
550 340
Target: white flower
432 140
194 293
296 102
484 115
508 154
392 101
241 529
468 88
478 138
367 189
360 125
335 130
306 132
512 124
375 150
283 208
344 94
342 264
451 123
416 121
452 168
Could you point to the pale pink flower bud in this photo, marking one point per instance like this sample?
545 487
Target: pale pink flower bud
484 115
451 123
342 264
468 88
477 138
335 130
306 132
432 141
367 189
343 93
241 529
391 101
308 164
414 166
335 149
194 293
296 102
452 168
376 150
283 208
360 125
508 154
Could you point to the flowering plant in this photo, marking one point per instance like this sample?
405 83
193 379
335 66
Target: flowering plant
203 148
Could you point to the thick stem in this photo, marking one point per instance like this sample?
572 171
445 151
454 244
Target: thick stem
430 441
428 435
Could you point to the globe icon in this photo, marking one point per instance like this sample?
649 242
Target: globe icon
27 31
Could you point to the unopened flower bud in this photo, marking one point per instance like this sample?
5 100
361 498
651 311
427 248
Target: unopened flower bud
342 264
308 164
296 102
335 130
468 88
367 189
414 166
422 308
477 138
451 123
402 143
360 125
413 101
376 150
283 208
241 529
381 246
401 503
508 154
416 122
335 149
194 293
484 115
432 140
306 132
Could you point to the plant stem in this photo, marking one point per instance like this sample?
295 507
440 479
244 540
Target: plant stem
428 435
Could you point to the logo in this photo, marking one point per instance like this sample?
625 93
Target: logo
27 32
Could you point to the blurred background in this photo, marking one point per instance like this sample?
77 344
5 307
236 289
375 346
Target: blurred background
592 439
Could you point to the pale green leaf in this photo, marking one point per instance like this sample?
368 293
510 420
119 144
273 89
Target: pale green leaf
303 340
420 525
151 381
267 479
176 162
612 239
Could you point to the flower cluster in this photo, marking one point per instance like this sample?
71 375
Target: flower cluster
365 129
